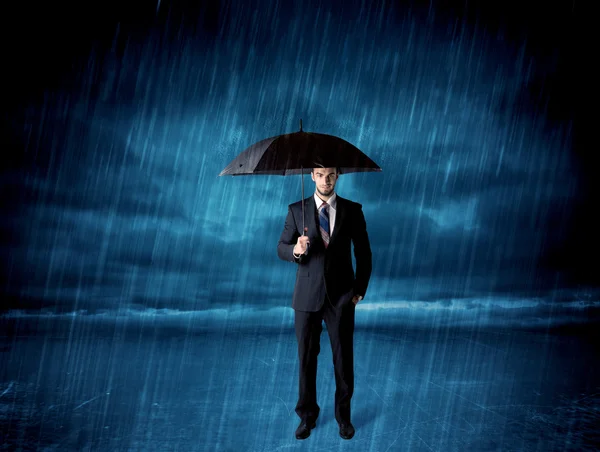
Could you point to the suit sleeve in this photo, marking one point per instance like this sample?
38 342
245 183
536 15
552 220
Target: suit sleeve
288 239
362 253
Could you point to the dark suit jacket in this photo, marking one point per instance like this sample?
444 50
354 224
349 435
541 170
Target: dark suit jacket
327 271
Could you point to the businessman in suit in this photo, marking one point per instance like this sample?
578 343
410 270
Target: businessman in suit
326 289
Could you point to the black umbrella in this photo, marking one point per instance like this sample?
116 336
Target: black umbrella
293 152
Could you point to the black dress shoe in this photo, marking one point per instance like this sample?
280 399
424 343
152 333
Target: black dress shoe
346 430
303 430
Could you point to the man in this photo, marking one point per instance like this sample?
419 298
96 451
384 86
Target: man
326 289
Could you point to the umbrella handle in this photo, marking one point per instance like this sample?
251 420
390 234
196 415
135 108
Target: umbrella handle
307 243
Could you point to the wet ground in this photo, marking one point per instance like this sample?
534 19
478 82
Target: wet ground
113 383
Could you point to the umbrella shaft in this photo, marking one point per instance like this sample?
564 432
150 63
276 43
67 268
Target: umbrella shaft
302 199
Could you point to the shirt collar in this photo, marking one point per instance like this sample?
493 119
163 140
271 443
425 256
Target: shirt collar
332 201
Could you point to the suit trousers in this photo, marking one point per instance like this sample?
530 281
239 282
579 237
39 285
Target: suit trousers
339 319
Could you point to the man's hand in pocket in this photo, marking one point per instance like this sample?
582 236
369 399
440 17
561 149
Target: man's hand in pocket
356 299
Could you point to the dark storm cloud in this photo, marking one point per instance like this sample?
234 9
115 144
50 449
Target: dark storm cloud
102 173
457 210
120 195
95 267
464 170
491 249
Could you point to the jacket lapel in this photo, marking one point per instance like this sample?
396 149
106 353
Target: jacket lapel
339 217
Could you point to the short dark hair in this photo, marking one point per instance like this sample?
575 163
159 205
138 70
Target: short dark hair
337 170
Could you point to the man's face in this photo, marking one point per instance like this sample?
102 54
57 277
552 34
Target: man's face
325 179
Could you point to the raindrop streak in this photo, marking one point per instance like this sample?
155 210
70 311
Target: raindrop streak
144 305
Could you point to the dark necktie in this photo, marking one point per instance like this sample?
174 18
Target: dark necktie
324 222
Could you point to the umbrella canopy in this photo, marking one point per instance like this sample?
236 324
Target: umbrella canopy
292 153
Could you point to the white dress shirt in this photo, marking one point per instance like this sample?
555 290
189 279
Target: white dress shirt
332 201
